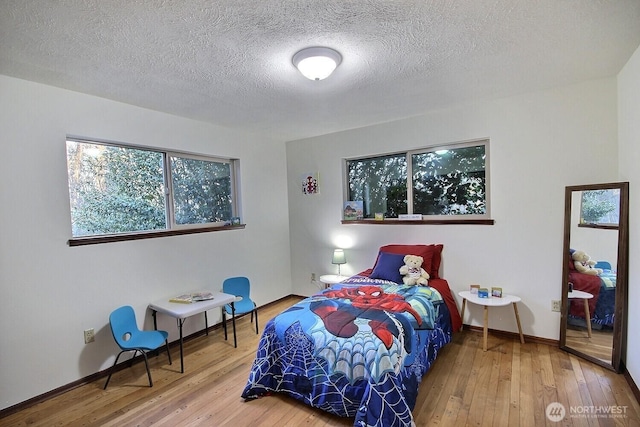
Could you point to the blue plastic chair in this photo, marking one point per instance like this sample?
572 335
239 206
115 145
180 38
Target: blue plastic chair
129 338
240 287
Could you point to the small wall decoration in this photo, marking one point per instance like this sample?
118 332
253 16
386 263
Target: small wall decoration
310 183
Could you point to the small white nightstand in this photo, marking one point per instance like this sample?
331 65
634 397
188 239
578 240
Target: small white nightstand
491 302
585 296
330 279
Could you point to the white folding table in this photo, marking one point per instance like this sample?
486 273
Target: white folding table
180 311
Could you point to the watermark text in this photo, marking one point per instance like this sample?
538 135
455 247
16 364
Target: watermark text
556 411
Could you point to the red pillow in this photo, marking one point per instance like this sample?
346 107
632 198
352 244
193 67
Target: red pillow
435 261
431 255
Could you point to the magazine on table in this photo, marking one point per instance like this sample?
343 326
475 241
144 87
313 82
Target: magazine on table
193 297
201 296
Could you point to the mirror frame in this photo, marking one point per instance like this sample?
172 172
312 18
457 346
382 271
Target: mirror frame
620 311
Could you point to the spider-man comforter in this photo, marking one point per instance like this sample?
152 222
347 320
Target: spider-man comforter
357 350
601 306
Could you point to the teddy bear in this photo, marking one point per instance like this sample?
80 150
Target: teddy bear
584 264
412 271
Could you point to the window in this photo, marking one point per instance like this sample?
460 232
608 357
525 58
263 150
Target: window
202 190
438 182
380 183
600 207
119 189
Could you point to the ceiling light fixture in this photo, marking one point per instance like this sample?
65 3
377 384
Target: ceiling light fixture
316 63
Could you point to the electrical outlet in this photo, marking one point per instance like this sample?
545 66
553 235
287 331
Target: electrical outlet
555 305
313 277
89 336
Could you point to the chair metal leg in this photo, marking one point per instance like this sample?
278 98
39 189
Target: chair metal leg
256 311
146 363
233 323
224 322
111 371
168 352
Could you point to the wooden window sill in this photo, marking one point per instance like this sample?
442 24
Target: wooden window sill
94 240
600 226
421 222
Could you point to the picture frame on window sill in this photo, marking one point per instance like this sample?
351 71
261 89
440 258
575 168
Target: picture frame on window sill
353 210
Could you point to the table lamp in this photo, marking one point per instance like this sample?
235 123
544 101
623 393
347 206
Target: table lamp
338 258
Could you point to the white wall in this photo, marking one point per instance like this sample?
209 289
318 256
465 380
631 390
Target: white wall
629 139
52 292
540 143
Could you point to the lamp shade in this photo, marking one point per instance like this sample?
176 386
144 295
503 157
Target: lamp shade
338 257
316 63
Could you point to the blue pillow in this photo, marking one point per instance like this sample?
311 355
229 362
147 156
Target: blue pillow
388 267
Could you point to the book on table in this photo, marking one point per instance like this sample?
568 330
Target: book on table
193 297
183 299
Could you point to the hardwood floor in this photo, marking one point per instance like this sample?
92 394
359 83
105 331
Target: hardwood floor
509 385
599 345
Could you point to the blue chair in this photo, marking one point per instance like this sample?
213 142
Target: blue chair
240 287
605 265
129 338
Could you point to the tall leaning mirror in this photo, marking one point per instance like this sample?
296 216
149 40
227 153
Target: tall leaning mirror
594 284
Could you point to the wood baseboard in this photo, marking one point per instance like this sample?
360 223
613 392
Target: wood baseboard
102 374
632 384
514 335
122 365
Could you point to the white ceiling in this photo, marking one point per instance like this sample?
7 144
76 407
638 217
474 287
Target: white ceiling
228 62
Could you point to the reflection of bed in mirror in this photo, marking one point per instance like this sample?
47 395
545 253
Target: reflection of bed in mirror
601 306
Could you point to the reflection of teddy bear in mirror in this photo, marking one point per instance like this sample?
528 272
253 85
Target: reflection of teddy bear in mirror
584 264
412 271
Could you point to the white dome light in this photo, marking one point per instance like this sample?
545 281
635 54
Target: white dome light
316 63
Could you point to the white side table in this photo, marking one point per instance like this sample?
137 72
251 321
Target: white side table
330 279
585 296
491 302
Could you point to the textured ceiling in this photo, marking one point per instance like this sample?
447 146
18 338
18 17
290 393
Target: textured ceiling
228 62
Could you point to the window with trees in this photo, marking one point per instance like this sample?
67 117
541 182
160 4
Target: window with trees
600 207
438 182
121 189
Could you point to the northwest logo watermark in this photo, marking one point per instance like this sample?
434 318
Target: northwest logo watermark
556 411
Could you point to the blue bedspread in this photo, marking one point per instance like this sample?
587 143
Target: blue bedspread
355 350
603 314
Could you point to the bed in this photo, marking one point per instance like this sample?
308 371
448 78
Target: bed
601 306
360 348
